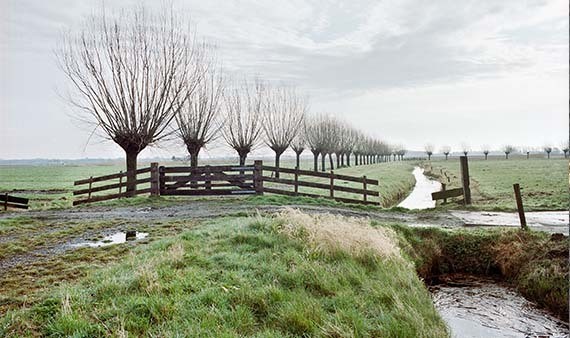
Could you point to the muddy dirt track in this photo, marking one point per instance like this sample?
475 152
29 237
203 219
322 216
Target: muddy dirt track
550 221
123 217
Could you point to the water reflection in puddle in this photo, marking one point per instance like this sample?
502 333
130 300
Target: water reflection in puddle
482 308
420 197
116 238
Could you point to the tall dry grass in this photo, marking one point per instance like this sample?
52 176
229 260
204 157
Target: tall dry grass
327 233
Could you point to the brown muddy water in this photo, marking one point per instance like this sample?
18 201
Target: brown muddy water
475 307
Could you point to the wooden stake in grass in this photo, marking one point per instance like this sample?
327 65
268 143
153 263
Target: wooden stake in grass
520 207
465 179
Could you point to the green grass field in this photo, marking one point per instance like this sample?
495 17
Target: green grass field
52 186
544 182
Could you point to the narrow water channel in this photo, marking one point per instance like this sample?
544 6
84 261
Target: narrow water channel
475 307
420 197
478 307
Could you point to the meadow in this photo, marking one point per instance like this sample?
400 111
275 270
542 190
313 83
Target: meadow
544 182
52 186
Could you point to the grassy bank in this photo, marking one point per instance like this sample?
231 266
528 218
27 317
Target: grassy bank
244 276
535 263
544 182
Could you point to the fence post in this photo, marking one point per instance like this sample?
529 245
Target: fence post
208 182
296 180
154 179
5 201
331 187
520 207
258 176
443 189
90 184
161 181
120 182
364 186
465 179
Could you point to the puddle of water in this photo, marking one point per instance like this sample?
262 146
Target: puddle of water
420 197
116 238
551 221
474 307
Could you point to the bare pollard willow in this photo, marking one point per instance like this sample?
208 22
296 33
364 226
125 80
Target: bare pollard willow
198 123
283 115
299 144
429 150
243 124
315 137
485 150
446 150
131 75
507 149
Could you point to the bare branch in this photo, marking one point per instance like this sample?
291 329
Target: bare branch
199 122
130 75
244 105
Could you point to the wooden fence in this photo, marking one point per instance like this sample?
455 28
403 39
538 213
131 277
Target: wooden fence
226 180
464 191
8 201
116 189
331 188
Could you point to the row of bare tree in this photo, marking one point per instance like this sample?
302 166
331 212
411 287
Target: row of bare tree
507 150
142 77
326 136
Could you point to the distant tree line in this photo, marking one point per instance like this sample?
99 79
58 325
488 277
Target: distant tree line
507 149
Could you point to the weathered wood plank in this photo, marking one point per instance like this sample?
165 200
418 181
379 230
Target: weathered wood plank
464 164
211 177
110 177
16 206
320 174
202 169
447 194
321 186
109 187
109 197
520 207
193 192
340 199
13 199
204 185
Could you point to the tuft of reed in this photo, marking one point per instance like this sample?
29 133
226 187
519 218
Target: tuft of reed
329 234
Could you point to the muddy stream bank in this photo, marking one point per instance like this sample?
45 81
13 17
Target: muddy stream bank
474 306
485 307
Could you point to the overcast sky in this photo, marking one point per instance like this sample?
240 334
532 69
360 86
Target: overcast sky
412 72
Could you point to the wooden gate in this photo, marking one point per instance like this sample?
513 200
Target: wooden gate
210 180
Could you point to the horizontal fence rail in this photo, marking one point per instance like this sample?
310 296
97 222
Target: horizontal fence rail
116 189
228 180
321 174
207 180
8 201
330 188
